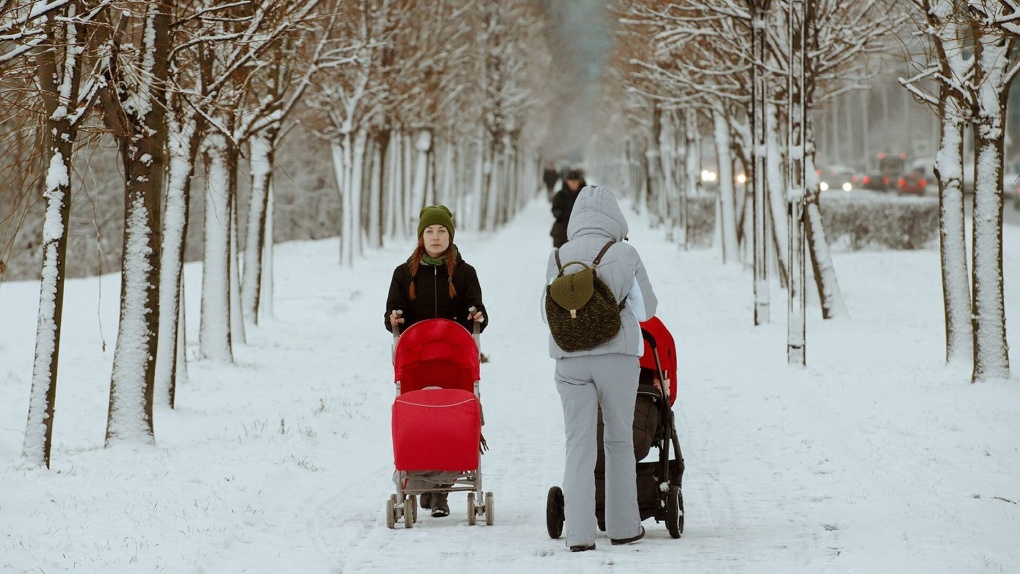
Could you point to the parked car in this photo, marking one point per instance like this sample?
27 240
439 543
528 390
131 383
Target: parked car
912 183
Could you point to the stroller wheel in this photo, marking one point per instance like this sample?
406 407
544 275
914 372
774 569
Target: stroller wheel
409 512
472 517
554 512
391 512
414 508
490 516
675 512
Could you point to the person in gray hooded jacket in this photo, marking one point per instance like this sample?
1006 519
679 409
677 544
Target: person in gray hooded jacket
604 376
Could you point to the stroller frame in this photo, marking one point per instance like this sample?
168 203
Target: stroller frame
403 505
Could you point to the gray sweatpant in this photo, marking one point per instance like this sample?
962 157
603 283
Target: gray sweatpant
584 383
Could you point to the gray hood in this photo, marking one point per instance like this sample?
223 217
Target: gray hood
596 212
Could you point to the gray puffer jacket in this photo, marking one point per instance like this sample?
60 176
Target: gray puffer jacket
596 219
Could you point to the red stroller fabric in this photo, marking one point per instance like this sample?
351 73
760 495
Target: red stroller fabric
436 353
436 419
436 429
666 349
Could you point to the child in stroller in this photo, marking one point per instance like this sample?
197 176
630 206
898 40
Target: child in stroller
436 420
659 481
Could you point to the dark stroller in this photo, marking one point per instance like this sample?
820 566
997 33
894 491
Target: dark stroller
437 420
658 482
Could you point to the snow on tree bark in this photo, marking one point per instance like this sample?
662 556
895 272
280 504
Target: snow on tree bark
134 104
260 152
728 220
991 357
59 73
214 329
829 293
183 146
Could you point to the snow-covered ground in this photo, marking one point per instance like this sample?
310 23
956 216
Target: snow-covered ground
875 458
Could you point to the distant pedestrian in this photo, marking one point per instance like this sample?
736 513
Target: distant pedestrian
550 176
563 204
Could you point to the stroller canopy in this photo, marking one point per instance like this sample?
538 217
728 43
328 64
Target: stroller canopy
666 349
436 353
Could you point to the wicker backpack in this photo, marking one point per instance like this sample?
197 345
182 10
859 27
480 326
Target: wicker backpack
581 309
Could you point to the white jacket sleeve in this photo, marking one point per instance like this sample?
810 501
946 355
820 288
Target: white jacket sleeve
636 301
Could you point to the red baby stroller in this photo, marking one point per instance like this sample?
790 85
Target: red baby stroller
436 420
658 482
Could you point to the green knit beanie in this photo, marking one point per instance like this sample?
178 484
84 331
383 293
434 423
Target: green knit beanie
433 215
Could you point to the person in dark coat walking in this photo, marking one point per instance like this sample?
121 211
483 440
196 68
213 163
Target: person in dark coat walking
435 282
563 204
549 177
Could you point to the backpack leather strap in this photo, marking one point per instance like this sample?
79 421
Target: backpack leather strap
559 266
598 258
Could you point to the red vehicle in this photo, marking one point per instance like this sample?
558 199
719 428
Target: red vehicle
912 183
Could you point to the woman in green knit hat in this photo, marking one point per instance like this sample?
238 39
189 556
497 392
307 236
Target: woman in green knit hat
435 282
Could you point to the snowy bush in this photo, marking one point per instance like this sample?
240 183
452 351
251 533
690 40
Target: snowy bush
876 221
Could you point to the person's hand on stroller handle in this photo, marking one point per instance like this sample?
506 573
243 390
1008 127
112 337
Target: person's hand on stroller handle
476 315
395 317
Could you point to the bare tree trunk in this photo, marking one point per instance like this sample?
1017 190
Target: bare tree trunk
728 219
357 185
266 293
952 232
991 353
214 331
829 293
183 151
141 133
261 150
777 192
375 203
342 158
237 333
59 66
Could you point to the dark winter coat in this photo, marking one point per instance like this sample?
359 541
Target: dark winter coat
562 206
433 296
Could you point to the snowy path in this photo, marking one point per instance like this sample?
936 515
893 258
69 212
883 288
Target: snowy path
874 459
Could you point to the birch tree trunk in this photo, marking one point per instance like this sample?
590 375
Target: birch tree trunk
214 331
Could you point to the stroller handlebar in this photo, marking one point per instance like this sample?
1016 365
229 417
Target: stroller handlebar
649 338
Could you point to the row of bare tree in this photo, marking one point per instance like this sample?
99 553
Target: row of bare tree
693 66
420 101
